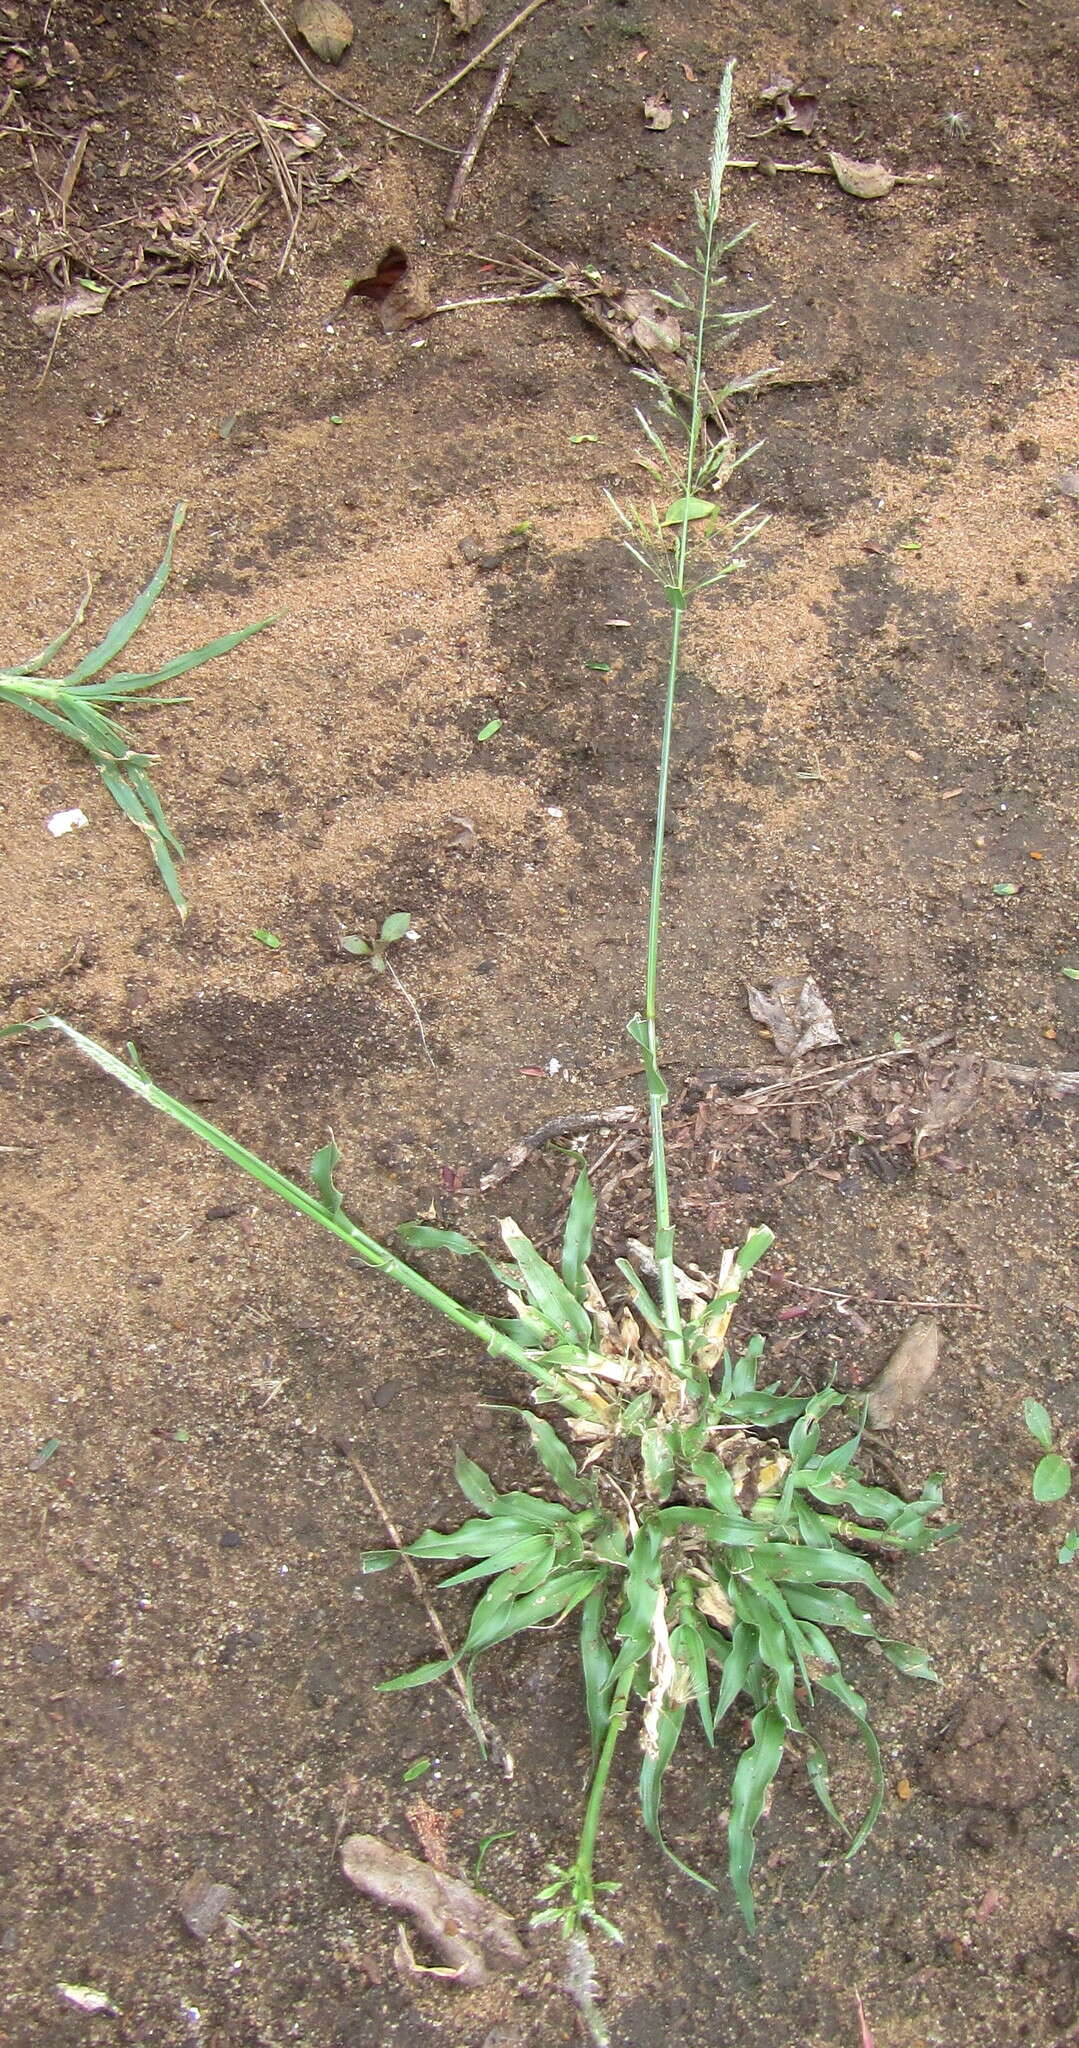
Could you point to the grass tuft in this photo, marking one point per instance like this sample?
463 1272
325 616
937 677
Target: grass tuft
72 705
707 1531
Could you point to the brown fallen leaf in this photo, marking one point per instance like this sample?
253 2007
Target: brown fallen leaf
658 113
77 305
397 288
862 181
953 1091
467 14
432 1831
203 1903
904 1379
471 1934
796 1014
325 28
655 328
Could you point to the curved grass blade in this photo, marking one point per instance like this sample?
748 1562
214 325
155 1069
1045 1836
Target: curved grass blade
124 628
477 1488
557 1461
756 1769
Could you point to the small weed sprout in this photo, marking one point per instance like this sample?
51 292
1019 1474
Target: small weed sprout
1051 1479
72 704
708 1531
372 942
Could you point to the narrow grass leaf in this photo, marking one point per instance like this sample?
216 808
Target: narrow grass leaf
753 1777
124 628
597 1664
474 1484
908 1658
558 1461
322 1169
577 1240
546 1291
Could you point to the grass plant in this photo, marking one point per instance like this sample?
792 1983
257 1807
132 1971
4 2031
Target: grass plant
73 705
708 1530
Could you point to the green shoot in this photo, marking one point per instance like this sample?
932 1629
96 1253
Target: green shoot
372 942
695 460
71 704
1052 1476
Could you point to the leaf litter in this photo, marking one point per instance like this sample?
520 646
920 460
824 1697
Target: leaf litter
471 1934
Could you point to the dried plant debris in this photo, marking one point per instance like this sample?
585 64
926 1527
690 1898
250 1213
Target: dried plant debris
658 113
472 1936
793 108
466 15
862 181
204 1903
902 1382
797 1016
637 321
190 225
397 286
325 28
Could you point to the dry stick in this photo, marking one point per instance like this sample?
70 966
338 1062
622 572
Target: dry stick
771 165
970 1308
448 83
487 1735
343 100
490 108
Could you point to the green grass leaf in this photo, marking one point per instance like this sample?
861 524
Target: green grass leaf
577 1238
547 1293
597 1665
474 1484
558 1461
756 1769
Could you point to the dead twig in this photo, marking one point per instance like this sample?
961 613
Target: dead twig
970 1308
486 1734
343 100
489 110
448 83
555 1127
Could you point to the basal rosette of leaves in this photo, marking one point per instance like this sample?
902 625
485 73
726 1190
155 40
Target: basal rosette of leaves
708 1546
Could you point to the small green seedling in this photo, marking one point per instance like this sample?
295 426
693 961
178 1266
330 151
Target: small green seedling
1052 1476
371 943
1069 1549
72 705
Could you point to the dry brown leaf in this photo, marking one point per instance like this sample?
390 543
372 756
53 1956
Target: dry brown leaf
76 306
467 14
862 181
471 1934
203 1903
325 28
655 328
907 1374
432 1831
952 1095
797 1016
657 111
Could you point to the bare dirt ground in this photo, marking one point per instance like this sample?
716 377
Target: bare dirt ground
877 732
